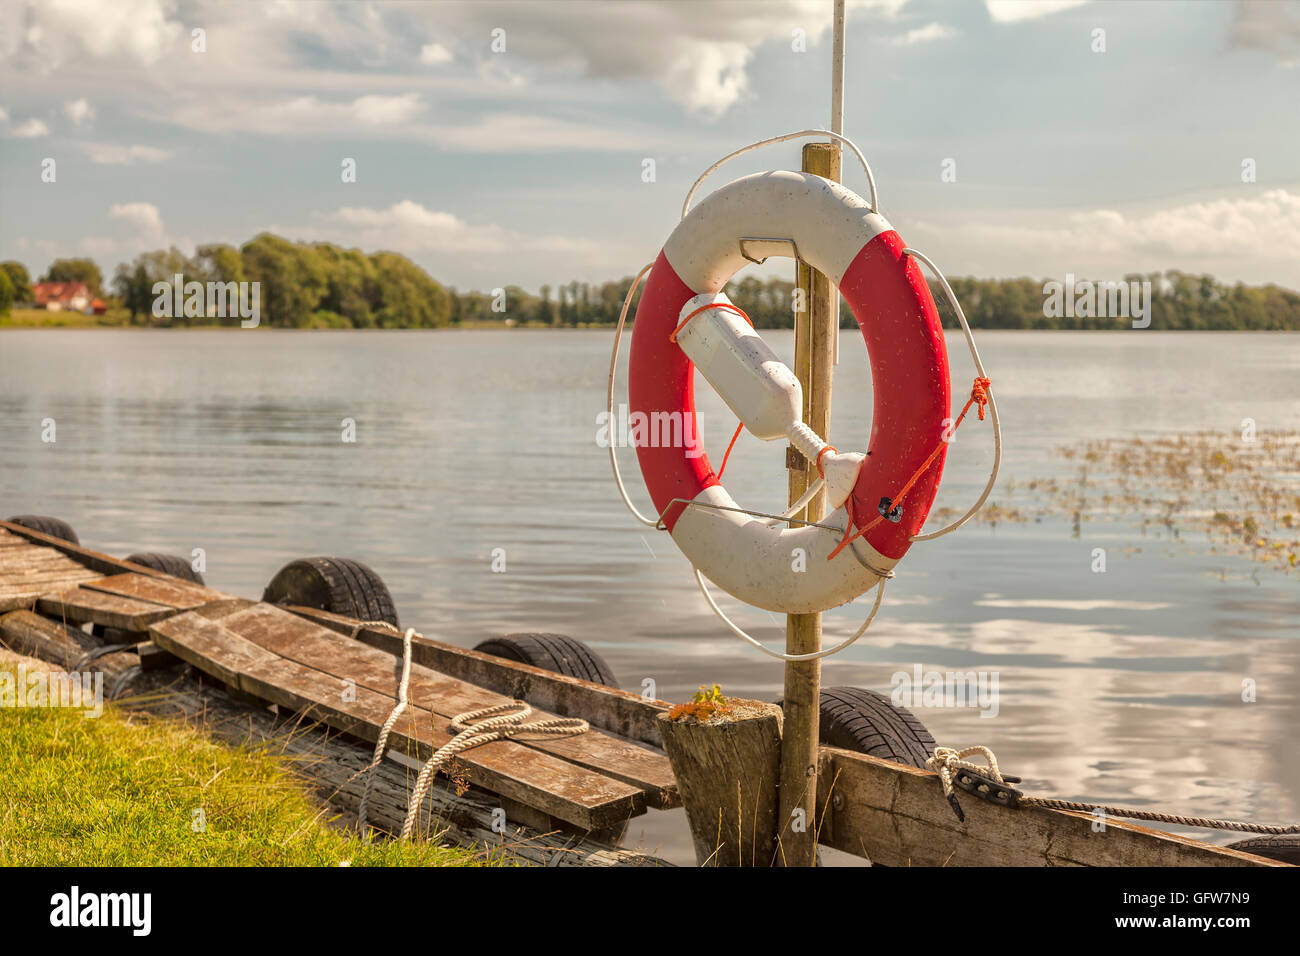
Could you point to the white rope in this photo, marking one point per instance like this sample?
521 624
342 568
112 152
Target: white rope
815 655
473 729
871 180
993 405
946 760
478 727
382 743
613 367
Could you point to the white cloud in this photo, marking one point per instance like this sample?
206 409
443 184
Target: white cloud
79 111
1253 238
1272 27
114 154
60 30
31 129
431 54
1013 11
381 110
144 217
698 53
409 227
4 115
931 31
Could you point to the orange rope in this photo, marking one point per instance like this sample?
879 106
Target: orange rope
739 428
705 308
673 338
979 395
819 458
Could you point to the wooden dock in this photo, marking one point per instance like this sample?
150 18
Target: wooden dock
571 795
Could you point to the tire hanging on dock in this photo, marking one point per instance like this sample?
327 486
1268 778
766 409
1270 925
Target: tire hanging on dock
47 524
172 564
338 585
558 653
868 723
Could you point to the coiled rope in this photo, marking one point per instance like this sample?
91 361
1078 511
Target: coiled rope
946 761
472 729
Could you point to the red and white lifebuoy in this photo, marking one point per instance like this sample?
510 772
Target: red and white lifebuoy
836 232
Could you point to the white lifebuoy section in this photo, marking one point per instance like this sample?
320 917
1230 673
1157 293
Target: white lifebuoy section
683 314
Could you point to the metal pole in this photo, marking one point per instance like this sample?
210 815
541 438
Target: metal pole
837 73
815 332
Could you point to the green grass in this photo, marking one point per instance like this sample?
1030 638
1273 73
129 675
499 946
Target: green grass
122 790
42 318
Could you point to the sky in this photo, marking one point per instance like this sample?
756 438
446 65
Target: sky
506 143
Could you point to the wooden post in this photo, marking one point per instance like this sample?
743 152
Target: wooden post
726 769
814 347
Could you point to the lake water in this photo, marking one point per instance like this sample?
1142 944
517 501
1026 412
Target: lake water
1120 687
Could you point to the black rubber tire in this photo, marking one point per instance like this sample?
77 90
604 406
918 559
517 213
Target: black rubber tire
553 652
172 564
1285 848
54 527
868 723
339 585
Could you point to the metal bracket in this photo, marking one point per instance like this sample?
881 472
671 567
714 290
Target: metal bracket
757 239
988 789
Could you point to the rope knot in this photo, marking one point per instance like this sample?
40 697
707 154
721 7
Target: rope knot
979 394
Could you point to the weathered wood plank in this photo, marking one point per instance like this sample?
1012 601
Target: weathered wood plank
26 595
33 558
897 815
322 649
29 633
208 646
617 711
80 606
168 592
578 796
95 560
14 578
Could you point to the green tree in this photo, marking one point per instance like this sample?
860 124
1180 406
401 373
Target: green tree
292 278
408 297
352 287
132 285
6 293
76 270
20 279
217 262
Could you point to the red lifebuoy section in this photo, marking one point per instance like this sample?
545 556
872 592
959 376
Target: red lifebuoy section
661 380
910 392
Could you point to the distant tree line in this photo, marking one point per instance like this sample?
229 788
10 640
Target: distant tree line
320 285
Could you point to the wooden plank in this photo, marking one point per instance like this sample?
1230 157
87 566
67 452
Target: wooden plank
95 560
897 815
79 606
617 711
581 797
48 581
318 647
34 558
45 585
168 592
208 646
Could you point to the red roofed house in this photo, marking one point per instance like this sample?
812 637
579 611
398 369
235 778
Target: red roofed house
62 295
